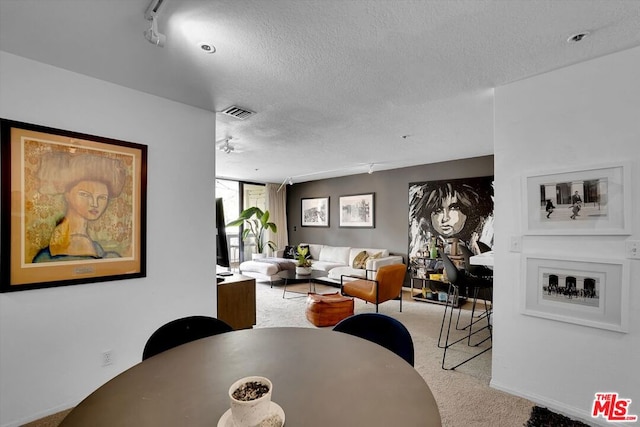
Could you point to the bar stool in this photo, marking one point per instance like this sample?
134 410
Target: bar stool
460 281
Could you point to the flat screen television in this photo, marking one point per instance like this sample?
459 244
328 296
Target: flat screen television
222 247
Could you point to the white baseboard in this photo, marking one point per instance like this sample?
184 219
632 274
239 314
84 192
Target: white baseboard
556 406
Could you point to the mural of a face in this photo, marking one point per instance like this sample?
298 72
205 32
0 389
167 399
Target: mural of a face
455 208
448 220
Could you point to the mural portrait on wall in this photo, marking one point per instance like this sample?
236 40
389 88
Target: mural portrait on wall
457 208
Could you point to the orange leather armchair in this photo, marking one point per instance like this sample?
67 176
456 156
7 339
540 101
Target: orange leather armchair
386 286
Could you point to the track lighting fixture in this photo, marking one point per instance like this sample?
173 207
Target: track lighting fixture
226 147
290 181
151 14
370 168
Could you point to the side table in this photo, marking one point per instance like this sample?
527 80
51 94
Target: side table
237 301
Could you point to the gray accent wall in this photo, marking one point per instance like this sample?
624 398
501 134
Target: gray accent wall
391 188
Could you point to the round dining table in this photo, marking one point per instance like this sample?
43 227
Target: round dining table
320 378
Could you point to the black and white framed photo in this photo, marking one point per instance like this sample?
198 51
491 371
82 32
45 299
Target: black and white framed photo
589 292
357 210
587 201
315 212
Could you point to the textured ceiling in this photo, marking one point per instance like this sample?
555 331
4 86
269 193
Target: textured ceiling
336 84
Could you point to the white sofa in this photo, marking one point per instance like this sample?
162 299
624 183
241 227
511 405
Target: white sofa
335 260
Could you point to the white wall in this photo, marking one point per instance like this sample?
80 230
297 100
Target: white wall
51 340
581 115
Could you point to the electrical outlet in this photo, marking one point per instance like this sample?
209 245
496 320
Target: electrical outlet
516 244
633 249
107 358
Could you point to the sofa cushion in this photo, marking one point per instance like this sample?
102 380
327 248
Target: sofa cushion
360 261
337 254
259 267
290 252
377 255
325 265
370 251
336 273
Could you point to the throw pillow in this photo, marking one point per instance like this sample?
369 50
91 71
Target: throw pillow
308 251
360 261
376 256
289 252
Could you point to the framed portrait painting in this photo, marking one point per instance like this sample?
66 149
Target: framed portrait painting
357 211
315 212
73 208
591 200
588 292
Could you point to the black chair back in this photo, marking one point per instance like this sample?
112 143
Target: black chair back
182 331
450 269
483 247
382 330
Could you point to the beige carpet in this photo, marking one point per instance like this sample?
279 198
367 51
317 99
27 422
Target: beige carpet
463 396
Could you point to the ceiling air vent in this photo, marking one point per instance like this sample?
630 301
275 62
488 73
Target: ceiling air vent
237 112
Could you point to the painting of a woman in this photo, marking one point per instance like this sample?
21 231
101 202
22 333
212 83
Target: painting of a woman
88 182
461 208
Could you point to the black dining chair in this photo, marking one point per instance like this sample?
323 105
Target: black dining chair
461 283
182 331
382 330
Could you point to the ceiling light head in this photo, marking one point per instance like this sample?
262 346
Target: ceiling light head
207 47
578 37
370 169
290 181
226 147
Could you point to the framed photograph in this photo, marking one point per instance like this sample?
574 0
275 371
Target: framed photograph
588 201
589 292
357 211
315 212
73 208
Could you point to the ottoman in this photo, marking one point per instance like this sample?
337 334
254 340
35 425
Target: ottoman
328 309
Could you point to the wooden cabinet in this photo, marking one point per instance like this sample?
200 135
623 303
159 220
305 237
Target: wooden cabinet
237 301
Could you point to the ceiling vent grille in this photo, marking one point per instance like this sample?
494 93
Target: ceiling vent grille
237 112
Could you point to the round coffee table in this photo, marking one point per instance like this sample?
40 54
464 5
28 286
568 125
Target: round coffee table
291 278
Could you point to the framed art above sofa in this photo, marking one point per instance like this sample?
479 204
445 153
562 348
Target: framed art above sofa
315 212
357 211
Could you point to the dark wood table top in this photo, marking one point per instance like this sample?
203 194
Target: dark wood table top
291 277
320 378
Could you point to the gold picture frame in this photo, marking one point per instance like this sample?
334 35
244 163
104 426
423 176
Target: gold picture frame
73 208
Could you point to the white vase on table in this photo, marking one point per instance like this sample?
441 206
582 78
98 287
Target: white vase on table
303 271
248 413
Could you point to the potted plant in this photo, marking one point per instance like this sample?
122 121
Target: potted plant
250 399
255 224
303 264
